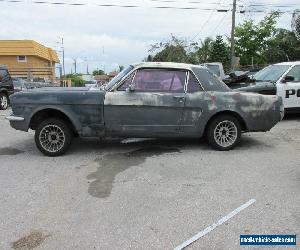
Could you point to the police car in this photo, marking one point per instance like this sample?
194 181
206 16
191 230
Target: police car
282 79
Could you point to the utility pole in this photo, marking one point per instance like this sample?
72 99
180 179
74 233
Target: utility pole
87 65
75 66
63 55
232 54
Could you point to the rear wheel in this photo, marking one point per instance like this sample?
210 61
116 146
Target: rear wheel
53 137
224 132
3 101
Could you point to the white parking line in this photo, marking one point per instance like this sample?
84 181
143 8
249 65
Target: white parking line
213 226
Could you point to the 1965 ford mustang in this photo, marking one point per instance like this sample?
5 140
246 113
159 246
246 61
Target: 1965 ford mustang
145 100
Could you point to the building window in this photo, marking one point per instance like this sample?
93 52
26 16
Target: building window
22 58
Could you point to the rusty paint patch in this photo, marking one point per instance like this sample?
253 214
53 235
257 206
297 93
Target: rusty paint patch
31 241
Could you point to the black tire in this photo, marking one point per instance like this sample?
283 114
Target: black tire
224 132
53 137
3 101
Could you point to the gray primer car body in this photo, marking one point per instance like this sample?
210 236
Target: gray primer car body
109 112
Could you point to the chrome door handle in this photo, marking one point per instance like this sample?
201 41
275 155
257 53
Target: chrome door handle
179 98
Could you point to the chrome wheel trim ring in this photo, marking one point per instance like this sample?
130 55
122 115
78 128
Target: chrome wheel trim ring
4 102
225 133
52 138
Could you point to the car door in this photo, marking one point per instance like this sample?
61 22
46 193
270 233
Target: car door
5 80
195 104
290 90
152 108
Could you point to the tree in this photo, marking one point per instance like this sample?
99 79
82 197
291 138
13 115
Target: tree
219 51
283 47
180 50
204 50
296 23
98 72
174 50
252 39
76 80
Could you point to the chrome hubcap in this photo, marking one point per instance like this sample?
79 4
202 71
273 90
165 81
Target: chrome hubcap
52 138
225 133
4 102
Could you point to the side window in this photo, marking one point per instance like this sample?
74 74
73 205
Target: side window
159 80
295 72
21 58
126 83
193 84
3 75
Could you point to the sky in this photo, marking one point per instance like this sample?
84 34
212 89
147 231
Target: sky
106 37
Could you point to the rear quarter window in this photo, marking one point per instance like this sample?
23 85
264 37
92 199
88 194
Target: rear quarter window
209 81
193 84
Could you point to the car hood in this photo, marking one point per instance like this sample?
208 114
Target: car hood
59 89
258 87
59 95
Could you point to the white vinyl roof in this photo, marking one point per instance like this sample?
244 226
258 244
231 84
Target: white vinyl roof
165 65
289 63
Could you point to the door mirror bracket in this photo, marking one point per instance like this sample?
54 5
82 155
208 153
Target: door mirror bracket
288 79
130 88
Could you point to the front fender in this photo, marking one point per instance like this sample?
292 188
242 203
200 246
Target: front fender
66 112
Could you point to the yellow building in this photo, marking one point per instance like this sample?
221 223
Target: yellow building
28 59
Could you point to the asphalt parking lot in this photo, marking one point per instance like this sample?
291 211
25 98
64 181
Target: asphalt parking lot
152 194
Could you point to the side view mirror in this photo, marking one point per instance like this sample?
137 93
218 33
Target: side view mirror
130 88
288 79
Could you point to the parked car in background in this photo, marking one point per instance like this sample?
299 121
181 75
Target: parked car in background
6 87
145 100
22 85
19 84
235 78
281 79
91 84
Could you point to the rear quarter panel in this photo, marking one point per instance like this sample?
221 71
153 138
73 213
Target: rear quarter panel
259 112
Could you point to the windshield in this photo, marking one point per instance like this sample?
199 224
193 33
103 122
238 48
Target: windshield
118 77
271 73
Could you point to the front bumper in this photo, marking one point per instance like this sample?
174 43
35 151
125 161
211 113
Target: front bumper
17 122
14 118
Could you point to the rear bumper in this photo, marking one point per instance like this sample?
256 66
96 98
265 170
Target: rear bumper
267 119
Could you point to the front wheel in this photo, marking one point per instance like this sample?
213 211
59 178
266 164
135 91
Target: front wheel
224 132
53 137
3 101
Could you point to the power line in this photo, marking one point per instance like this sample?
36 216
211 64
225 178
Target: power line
219 24
203 25
137 6
272 4
108 5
